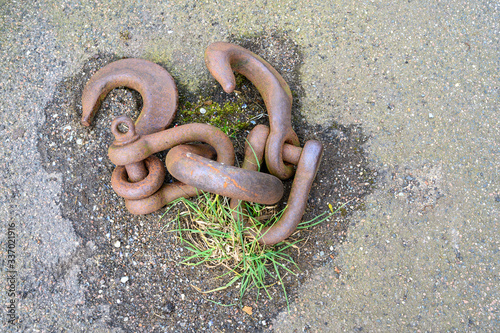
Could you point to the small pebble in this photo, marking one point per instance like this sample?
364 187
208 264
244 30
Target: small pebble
321 253
117 244
118 301
203 111
169 308
124 279
431 115
79 141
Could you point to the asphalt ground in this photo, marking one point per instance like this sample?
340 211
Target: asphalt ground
419 77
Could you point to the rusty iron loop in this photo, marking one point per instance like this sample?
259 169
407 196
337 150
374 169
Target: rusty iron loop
143 188
308 164
166 194
297 201
153 82
146 145
254 156
226 180
221 59
252 161
169 192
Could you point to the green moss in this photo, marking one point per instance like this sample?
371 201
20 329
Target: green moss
240 79
344 212
231 117
125 35
234 113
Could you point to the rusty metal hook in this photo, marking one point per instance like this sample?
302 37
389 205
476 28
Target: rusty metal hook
153 82
221 59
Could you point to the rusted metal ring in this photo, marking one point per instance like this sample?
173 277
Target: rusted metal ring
123 138
254 156
167 193
156 142
306 172
226 180
143 188
172 191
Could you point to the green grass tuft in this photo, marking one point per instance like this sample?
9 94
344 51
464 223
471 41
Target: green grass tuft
205 226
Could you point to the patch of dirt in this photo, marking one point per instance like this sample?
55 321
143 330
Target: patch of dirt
132 279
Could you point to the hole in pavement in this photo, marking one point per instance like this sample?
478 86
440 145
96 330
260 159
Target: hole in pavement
134 269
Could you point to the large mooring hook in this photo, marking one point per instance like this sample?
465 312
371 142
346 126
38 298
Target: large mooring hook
224 58
153 82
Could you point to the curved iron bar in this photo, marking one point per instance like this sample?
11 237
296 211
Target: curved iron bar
153 82
221 59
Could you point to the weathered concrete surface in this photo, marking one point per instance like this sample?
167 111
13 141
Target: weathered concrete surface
421 77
